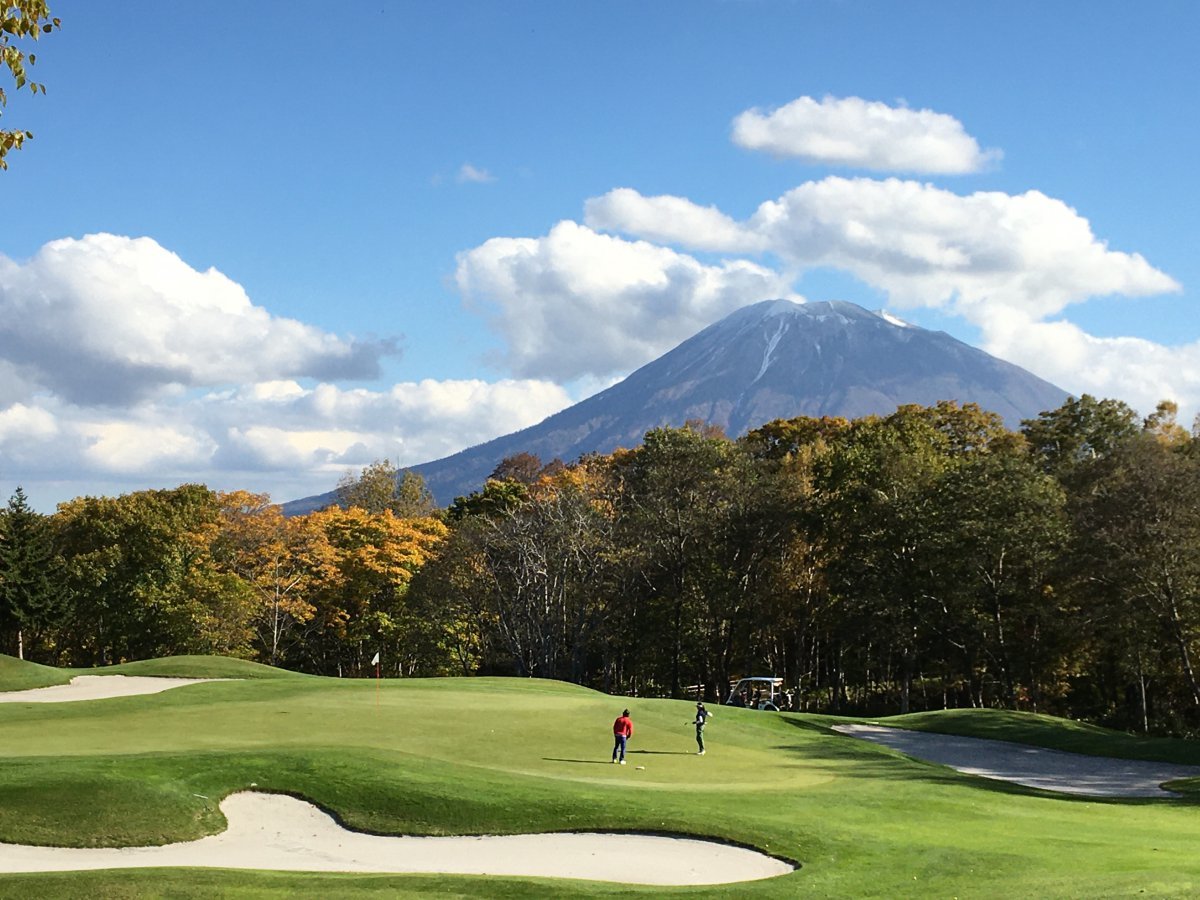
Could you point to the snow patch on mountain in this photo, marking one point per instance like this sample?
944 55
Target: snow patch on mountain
770 351
888 317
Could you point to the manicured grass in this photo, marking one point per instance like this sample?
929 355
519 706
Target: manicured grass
194 667
442 756
18 675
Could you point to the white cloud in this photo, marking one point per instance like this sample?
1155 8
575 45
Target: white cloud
925 246
853 132
327 428
670 220
469 174
109 319
576 303
33 423
1006 263
1135 370
133 447
279 437
121 367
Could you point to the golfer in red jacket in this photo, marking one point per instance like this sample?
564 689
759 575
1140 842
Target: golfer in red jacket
622 732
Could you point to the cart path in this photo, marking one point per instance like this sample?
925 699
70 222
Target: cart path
273 831
1037 767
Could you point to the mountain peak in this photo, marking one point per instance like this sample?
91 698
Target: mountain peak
810 310
769 360
817 314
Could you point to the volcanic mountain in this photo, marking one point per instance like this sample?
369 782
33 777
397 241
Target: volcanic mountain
774 359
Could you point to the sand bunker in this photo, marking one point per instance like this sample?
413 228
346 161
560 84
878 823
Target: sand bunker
270 831
100 687
1051 770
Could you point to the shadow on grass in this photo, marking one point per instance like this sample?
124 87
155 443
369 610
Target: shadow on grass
661 752
605 762
853 757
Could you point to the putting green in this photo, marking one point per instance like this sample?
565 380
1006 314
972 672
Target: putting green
544 729
509 756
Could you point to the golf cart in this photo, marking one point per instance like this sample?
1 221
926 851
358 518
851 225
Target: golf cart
757 693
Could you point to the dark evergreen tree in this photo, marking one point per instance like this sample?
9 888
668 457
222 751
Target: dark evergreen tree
31 594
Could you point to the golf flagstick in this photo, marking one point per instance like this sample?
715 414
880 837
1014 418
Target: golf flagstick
375 662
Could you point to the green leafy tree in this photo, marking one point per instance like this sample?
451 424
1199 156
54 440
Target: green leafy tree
997 530
135 566
449 595
1138 529
496 496
786 438
1065 440
677 508
795 598
20 20
876 494
381 486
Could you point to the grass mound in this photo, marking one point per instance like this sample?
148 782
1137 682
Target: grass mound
19 675
194 667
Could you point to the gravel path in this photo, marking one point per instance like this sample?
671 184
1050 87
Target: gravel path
1051 770
271 831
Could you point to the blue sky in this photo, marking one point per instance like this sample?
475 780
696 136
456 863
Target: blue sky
259 250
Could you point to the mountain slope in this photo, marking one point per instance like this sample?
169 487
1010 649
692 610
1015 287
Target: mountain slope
774 359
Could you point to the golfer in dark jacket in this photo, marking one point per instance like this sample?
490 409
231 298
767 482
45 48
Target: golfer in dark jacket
702 715
622 732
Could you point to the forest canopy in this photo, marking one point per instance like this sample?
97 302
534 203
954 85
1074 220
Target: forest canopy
918 560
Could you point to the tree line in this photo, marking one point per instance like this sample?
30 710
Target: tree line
924 559
189 570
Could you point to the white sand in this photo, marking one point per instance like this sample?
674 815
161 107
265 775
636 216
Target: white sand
1051 770
270 831
100 687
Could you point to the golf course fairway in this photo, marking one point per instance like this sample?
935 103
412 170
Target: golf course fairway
485 756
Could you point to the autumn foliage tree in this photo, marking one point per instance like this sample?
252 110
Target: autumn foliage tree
360 599
280 560
20 21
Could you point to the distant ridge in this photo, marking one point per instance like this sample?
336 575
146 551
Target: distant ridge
771 360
